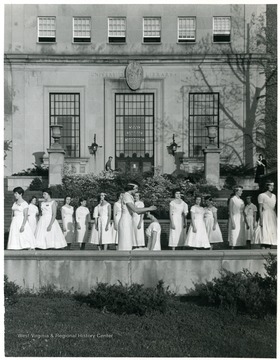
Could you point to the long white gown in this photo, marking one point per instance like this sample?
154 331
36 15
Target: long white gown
101 236
117 216
236 237
139 236
177 236
154 227
33 212
267 234
68 224
214 236
249 212
125 229
83 218
54 238
20 240
198 239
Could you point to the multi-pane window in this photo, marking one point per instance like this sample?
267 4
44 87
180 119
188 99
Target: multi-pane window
151 29
186 29
65 111
221 28
117 30
46 29
81 29
203 110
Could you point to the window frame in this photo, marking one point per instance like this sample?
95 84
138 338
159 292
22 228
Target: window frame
185 41
152 37
119 37
81 37
213 34
48 37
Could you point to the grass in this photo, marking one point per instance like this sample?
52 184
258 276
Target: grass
186 330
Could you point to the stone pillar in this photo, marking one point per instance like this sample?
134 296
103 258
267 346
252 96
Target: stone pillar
212 165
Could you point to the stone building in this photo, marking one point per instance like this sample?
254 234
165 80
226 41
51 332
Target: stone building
131 77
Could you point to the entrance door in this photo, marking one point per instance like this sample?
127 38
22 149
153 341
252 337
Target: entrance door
134 124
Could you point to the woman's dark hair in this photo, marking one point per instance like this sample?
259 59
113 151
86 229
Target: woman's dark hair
19 190
48 191
208 198
130 186
235 189
66 198
99 196
33 197
174 192
197 196
118 195
260 155
268 183
82 199
154 213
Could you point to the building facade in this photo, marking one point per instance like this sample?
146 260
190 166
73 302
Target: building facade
132 78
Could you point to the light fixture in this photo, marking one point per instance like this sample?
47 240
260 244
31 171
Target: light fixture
172 148
94 146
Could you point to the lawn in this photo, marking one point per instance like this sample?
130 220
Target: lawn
60 326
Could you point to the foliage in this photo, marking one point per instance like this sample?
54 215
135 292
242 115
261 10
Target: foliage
236 170
230 182
7 147
124 299
11 291
37 170
243 292
36 184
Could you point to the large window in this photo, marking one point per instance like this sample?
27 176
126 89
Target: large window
151 29
221 28
203 110
65 110
81 29
117 30
186 29
134 131
46 29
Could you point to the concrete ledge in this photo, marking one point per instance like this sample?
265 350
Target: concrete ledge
82 270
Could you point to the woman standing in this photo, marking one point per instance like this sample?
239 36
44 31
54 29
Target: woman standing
153 232
21 235
117 215
211 222
197 235
236 226
138 225
125 228
48 233
266 232
261 168
178 211
250 215
67 215
83 223
33 213
102 234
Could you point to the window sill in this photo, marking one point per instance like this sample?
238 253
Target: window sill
116 43
46 43
151 43
81 43
186 43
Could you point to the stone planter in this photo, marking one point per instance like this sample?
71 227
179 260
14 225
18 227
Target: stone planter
22 181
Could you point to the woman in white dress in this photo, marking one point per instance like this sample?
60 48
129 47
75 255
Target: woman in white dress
102 233
67 216
153 232
125 228
266 232
83 223
211 222
138 224
20 235
178 211
48 233
117 211
250 215
197 236
236 224
33 213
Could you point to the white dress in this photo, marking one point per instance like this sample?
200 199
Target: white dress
177 236
20 240
139 236
198 239
68 225
117 216
236 237
214 236
83 218
48 239
101 236
154 227
33 212
267 234
249 212
125 229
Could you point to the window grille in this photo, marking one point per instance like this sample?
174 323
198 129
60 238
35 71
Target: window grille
186 29
81 29
151 30
117 30
46 29
65 110
221 29
203 110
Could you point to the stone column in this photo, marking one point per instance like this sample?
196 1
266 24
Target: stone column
212 165
56 157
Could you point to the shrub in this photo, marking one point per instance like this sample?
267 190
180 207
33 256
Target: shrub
236 170
124 299
243 292
37 170
36 184
50 291
11 291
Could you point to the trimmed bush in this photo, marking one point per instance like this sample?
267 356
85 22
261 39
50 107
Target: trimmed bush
37 170
36 184
11 291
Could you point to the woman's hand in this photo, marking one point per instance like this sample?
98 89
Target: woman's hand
152 208
64 229
21 229
194 229
107 227
49 228
115 227
173 226
78 226
214 227
232 225
139 226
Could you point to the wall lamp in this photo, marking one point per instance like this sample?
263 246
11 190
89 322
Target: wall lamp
172 148
94 146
